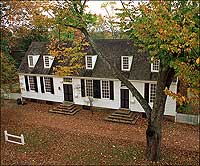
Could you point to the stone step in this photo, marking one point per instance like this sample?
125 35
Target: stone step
118 120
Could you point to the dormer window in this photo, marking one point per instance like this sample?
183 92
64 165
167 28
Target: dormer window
90 61
48 60
30 58
126 62
155 66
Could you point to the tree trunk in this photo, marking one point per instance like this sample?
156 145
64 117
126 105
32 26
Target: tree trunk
154 129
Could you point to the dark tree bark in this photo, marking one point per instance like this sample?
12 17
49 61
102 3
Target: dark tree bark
154 129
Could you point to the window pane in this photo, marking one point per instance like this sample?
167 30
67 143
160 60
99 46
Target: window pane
125 62
31 60
47 83
46 61
89 62
105 89
156 65
68 80
31 83
89 88
152 92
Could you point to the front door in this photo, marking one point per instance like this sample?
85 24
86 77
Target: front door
68 92
124 98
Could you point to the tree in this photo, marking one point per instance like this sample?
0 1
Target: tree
169 31
164 29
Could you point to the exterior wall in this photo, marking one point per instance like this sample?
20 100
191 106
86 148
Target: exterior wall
134 104
107 103
56 97
170 106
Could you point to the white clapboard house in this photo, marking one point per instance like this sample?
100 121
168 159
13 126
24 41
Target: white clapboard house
38 82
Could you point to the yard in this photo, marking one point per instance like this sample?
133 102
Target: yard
87 139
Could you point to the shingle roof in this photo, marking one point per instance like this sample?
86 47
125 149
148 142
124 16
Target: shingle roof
112 48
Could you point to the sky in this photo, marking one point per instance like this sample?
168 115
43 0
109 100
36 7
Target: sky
95 6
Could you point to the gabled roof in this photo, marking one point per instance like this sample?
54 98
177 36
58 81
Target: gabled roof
112 48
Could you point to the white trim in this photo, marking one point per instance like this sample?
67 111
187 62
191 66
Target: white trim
50 58
130 58
35 59
152 65
150 91
94 58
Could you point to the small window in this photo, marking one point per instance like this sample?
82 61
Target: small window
46 61
89 88
105 89
32 83
89 62
155 66
67 80
152 92
30 61
47 82
126 62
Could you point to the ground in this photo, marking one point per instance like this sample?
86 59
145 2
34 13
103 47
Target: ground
87 139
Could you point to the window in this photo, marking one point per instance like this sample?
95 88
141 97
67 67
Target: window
152 92
125 63
30 61
105 89
155 66
46 61
89 62
47 83
67 80
89 88
32 83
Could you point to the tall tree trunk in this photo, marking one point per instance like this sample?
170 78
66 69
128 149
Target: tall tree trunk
154 129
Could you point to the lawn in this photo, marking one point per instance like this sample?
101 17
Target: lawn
87 139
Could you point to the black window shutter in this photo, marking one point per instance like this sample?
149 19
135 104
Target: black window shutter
82 87
35 82
96 89
111 90
26 82
146 92
42 84
52 86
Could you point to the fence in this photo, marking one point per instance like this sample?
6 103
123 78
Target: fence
10 135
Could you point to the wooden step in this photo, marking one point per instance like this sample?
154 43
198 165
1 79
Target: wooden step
121 118
123 115
126 112
118 120
63 112
66 109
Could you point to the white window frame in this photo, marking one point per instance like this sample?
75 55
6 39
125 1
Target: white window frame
31 64
31 83
67 80
47 85
152 92
87 88
89 65
105 96
46 65
122 62
155 64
